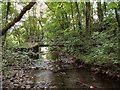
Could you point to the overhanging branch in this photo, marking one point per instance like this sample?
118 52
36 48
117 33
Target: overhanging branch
18 18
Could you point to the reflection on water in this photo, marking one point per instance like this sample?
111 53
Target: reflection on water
69 76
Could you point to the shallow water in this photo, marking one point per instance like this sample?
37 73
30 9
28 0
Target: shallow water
60 75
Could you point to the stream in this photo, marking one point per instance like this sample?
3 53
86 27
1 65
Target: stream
61 75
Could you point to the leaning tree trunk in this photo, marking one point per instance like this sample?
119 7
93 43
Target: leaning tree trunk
18 18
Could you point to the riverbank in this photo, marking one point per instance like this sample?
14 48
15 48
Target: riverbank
59 73
108 71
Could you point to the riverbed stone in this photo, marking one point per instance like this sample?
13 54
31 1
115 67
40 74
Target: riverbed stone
29 82
28 86
16 85
16 81
22 87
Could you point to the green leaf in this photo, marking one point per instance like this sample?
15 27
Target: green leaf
112 5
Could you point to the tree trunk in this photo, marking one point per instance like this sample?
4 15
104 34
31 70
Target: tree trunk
118 31
67 21
72 15
7 13
105 8
62 21
117 18
88 8
78 15
41 27
99 11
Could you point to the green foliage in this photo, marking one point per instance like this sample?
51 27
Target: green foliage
17 59
106 49
101 47
112 5
58 23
